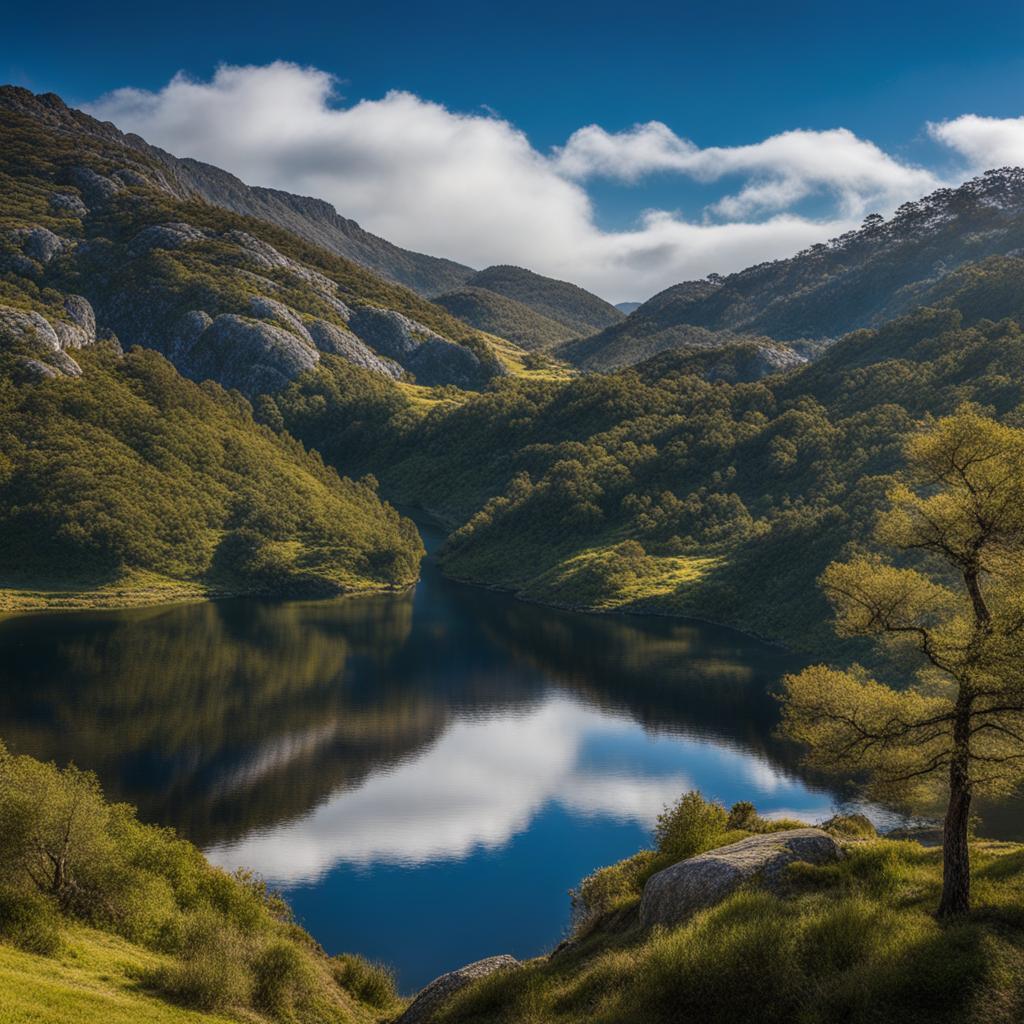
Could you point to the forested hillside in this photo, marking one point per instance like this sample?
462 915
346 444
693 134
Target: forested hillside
860 279
655 488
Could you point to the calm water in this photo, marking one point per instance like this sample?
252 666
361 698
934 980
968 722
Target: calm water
424 775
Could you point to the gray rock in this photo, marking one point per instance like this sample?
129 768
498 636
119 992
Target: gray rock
337 341
433 359
422 1009
186 333
41 244
284 316
251 355
95 187
28 327
21 328
127 176
63 203
671 895
79 329
164 236
265 256
36 370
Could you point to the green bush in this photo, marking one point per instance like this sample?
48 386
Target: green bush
211 973
743 815
280 976
609 888
690 826
369 982
29 921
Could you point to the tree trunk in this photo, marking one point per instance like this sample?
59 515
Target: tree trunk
956 854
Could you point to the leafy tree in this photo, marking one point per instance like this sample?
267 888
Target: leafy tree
961 615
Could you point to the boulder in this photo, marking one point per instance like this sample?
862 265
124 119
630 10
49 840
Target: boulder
284 316
422 1009
251 355
79 329
41 244
433 359
336 341
164 236
25 329
62 203
186 333
94 187
670 896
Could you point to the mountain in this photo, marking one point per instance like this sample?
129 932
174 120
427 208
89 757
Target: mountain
312 219
860 279
103 235
497 314
579 310
627 307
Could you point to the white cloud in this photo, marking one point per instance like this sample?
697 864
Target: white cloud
985 142
786 168
473 188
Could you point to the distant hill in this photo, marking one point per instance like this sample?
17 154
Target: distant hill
568 304
861 279
312 219
627 307
497 314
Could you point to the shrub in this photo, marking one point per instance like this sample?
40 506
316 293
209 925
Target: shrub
369 982
212 972
691 826
851 826
279 976
29 921
743 814
609 888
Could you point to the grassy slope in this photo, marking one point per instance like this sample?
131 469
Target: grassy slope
93 980
854 942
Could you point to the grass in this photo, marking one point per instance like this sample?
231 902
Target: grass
853 942
602 579
93 980
140 588
530 366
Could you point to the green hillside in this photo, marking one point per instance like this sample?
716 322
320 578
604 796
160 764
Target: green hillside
579 310
496 314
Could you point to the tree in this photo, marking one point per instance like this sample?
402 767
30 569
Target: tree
959 614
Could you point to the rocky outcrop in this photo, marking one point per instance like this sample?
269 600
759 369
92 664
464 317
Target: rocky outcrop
432 359
79 329
253 356
37 346
422 1009
164 236
670 896
64 204
337 341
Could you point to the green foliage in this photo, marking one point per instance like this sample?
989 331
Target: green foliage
371 983
690 826
29 920
227 943
496 314
855 942
577 310
133 467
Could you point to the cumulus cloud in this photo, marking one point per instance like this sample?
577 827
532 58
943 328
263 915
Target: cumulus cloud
786 168
985 142
473 188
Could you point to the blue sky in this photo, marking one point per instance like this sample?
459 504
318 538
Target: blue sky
716 75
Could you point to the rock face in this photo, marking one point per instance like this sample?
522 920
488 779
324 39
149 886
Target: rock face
252 355
440 990
336 341
433 359
671 895
41 347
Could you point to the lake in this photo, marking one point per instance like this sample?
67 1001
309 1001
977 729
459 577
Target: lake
425 775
